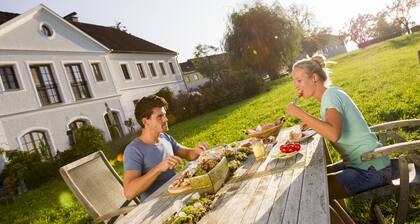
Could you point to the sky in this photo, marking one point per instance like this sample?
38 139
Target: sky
180 25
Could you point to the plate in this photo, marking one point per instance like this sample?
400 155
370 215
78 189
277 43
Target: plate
306 134
282 155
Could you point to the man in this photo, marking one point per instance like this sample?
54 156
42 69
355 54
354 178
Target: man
149 159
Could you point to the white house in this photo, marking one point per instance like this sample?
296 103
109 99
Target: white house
57 73
193 78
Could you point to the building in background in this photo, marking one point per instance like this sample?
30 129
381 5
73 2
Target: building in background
193 79
58 74
335 47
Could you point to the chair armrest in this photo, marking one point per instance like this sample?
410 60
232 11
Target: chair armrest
120 211
395 124
382 151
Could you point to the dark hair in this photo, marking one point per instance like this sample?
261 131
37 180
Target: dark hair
144 107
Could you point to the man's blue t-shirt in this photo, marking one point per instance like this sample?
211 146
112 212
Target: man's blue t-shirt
143 157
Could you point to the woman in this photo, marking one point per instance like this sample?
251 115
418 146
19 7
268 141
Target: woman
343 124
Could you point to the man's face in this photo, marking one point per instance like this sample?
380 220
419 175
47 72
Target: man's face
158 121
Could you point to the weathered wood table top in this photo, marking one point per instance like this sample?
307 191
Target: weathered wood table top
293 190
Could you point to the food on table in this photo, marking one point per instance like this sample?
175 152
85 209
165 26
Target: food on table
246 145
295 135
266 127
269 140
291 147
233 165
240 156
182 182
230 154
193 211
207 164
246 150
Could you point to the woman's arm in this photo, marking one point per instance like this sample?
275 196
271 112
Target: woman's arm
330 128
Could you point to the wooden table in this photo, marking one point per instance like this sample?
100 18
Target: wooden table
294 190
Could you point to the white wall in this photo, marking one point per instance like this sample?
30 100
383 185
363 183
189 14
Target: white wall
55 121
25 34
27 96
138 87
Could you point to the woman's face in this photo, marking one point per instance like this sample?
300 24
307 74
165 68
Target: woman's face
303 83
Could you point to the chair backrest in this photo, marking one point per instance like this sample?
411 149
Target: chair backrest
95 184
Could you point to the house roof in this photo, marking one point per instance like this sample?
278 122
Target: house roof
116 40
6 16
120 41
187 66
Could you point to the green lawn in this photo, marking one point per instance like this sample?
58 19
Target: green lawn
383 80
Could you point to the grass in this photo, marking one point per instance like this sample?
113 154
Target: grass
383 80
51 203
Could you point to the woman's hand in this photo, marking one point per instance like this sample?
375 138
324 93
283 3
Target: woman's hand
293 110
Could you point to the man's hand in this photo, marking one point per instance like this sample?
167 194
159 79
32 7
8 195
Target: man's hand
169 163
201 147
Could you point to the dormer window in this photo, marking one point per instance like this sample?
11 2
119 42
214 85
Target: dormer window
46 30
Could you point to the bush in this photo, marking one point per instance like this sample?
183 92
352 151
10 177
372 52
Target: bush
88 140
28 167
166 93
214 95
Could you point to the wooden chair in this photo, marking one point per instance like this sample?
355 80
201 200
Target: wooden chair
405 169
98 187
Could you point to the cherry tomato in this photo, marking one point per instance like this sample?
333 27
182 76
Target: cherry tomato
296 147
284 148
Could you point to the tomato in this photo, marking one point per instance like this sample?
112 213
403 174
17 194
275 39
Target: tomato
288 148
283 148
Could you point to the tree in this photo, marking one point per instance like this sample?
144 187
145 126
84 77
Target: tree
360 28
261 39
382 26
209 63
313 36
399 11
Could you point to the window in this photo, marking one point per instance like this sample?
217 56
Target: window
46 30
45 84
97 72
125 71
141 70
114 125
162 68
37 141
77 124
171 65
8 77
152 69
77 81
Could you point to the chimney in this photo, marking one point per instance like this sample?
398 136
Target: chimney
72 17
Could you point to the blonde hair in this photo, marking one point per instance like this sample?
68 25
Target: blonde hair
315 65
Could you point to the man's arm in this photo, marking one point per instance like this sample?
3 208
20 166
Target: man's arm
191 153
135 183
